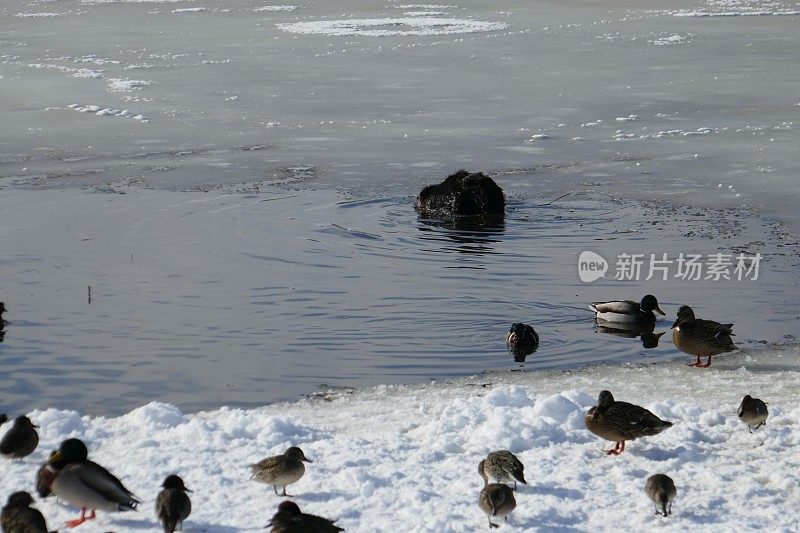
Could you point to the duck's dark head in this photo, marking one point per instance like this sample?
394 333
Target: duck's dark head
70 451
289 507
605 400
174 482
24 422
297 454
650 304
20 499
685 316
2 308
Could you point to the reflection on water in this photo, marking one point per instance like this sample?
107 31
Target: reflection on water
520 353
645 332
215 299
470 235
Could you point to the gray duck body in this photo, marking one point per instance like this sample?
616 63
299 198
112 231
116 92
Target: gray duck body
502 466
173 505
496 499
621 421
281 470
753 412
18 517
628 311
21 440
661 490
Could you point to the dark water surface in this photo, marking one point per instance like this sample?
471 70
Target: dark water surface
243 298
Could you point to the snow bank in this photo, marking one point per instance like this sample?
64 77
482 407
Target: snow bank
406 457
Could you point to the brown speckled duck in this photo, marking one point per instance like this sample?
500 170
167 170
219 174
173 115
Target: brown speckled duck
281 470
622 421
289 519
701 338
502 466
21 440
753 412
19 517
497 499
172 504
661 490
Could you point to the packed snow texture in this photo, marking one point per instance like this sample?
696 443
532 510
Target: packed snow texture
406 457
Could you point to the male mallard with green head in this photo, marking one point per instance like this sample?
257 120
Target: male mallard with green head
173 504
661 490
701 338
621 421
497 499
753 412
281 470
19 517
86 484
628 311
502 466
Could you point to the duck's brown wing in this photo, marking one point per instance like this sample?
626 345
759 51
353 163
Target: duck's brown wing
268 463
633 421
322 524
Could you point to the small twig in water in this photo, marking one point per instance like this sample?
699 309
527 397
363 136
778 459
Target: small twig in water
557 199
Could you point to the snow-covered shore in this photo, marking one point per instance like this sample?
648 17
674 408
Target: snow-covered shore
405 457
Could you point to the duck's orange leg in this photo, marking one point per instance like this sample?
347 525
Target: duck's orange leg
618 449
81 520
696 363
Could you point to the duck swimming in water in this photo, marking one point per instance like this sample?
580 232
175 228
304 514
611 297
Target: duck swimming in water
628 311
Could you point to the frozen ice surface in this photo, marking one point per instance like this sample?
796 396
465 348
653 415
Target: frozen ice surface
374 98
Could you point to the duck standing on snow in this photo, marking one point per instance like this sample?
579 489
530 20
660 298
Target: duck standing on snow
753 412
172 503
628 311
661 490
289 519
19 517
701 338
86 484
281 470
21 440
497 499
621 421
502 466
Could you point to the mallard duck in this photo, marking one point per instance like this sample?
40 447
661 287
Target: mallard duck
661 490
172 503
86 484
701 338
20 440
753 412
628 311
522 335
621 421
502 466
281 470
44 478
497 499
19 517
300 521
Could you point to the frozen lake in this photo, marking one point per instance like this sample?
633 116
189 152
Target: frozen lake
695 100
279 249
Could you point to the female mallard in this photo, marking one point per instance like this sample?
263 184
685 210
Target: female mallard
19 517
701 338
621 421
86 484
628 311
661 490
281 470
289 518
172 503
21 440
753 412
502 466
497 499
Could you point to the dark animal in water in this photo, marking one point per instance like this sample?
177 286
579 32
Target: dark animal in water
462 194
